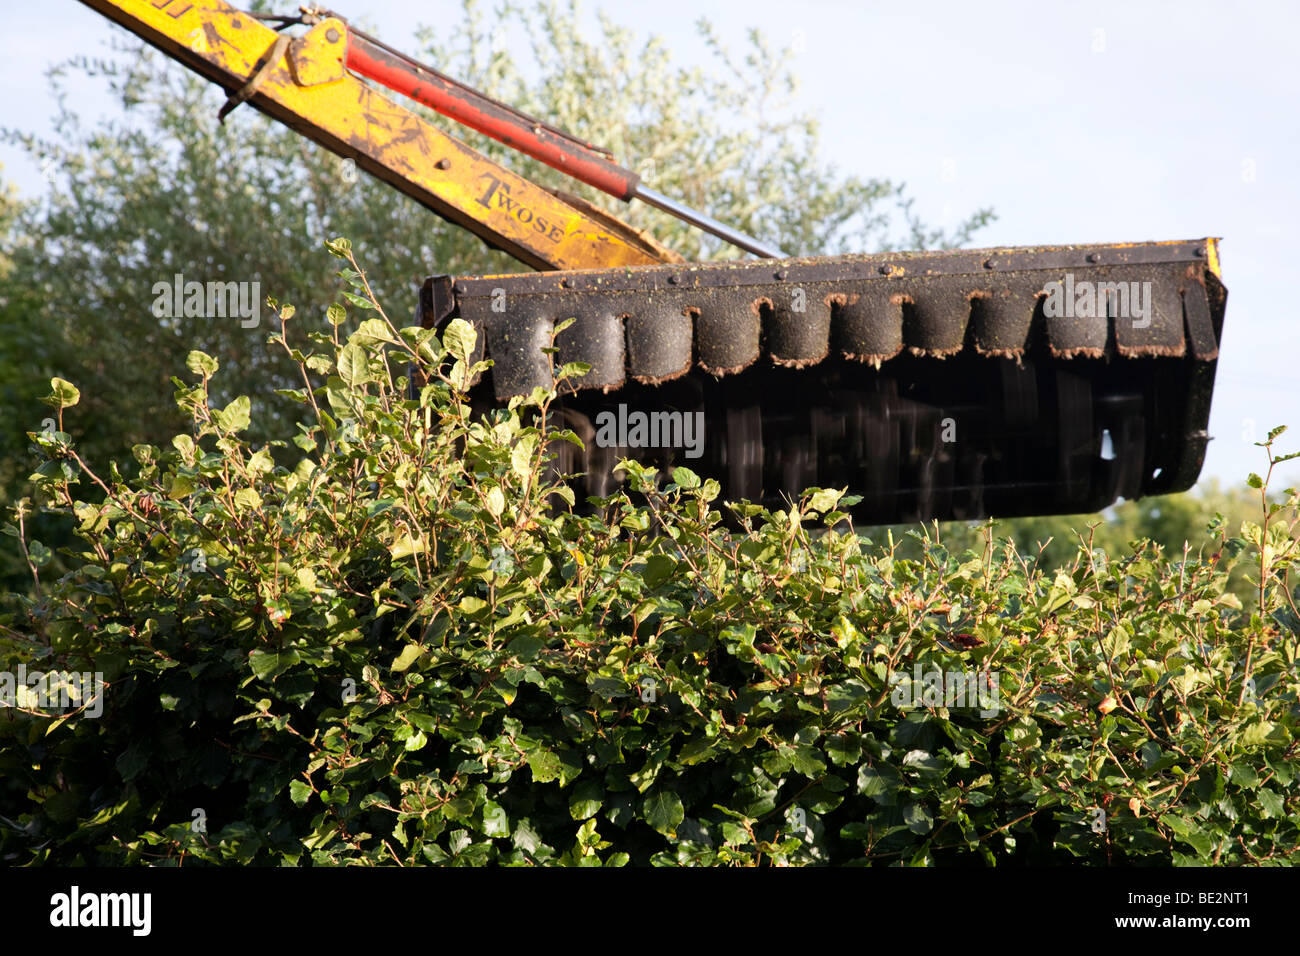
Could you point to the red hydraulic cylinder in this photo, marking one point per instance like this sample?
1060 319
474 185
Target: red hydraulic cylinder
481 113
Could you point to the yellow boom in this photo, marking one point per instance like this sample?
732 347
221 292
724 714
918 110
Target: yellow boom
302 83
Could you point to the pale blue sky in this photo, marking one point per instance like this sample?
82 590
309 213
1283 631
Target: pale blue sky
1076 122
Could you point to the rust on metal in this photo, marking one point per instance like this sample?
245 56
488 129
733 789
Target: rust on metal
633 323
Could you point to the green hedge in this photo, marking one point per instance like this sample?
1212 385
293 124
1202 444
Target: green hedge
390 640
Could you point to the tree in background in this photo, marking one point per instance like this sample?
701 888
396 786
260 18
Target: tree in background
1175 523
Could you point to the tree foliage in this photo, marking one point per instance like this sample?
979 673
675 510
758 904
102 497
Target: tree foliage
390 640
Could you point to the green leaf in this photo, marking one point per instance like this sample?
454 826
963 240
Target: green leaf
496 822
881 783
132 762
1256 733
844 749
404 545
185 445
182 486
372 332
261 462
525 647
545 765
585 800
299 792
247 500
1243 775
354 365
806 761
410 654
235 416
658 569
918 819
1200 841
663 810
459 338
522 455
360 301
201 364
63 394
685 478
526 838
824 499
607 687
267 664
1273 805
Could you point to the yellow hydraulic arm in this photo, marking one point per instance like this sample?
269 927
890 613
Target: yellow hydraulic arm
303 82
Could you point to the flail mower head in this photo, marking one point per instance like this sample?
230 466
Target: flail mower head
936 385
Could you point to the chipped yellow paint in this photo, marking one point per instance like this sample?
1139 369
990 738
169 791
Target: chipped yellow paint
320 54
384 138
1212 256
1211 250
